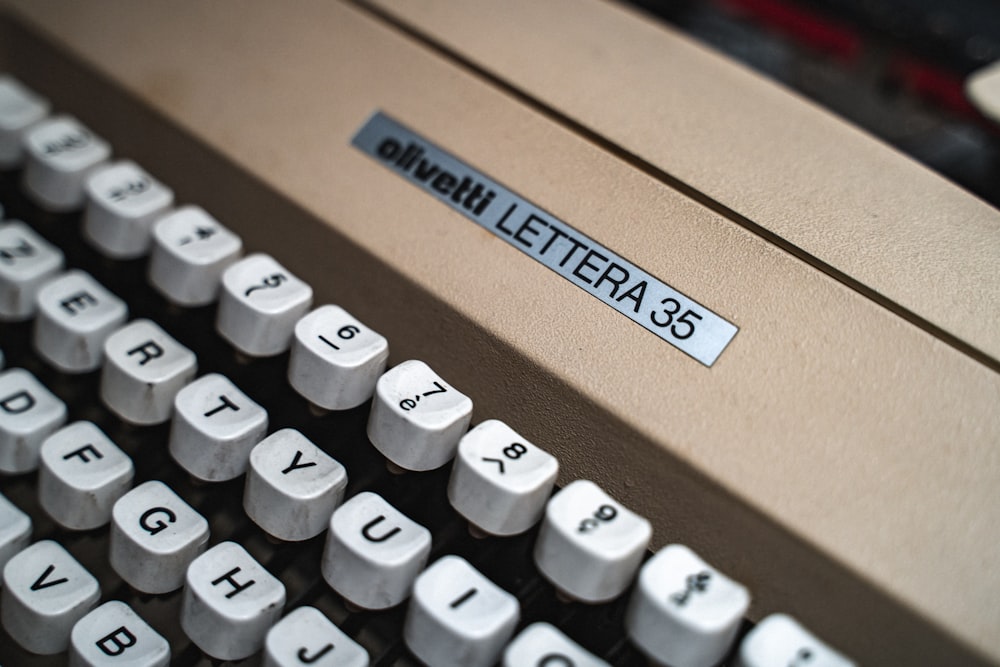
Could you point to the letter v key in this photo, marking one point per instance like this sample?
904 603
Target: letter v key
40 583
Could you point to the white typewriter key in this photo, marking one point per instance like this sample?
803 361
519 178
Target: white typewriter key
29 413
82 474
501 481
417 418
230 602
144 368
45 592
307 637
154 537
214 428
60 154
292 486
590 546
457 617
113 634
76 314
190 252
20 108
259 305
27 261
780 640
373 552
684 613
15 530
335 359
122 203
541 645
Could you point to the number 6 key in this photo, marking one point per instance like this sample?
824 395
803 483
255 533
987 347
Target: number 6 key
417 418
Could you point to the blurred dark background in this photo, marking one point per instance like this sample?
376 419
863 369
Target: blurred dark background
894 67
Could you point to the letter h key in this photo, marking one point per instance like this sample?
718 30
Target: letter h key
230 602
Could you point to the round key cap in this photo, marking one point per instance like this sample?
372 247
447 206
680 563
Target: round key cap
259 304
215 427
335 359
27 261
373 552
82 474
307 637
457 617
154 537
45 592
780 640
684 613
590 545
112 635
230 602
60 153
292 486
190 252
500 481
76 314
542 645
29 413
144 369
417 418
122 203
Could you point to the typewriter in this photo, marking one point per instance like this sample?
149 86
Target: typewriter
523 333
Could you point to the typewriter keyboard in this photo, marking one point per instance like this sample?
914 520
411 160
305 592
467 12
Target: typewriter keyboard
199 464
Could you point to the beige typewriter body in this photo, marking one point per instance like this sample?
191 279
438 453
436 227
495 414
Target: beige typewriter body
841 457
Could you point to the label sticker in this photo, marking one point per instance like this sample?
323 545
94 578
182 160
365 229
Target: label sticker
606 275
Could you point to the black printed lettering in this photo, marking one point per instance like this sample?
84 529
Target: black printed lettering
296 465
444 183
82 453
225 405
149 350
77 302
585 263
115 643
463 598
527 228
158 525
41 582
616 282
369 535
307 659
238 588
17 403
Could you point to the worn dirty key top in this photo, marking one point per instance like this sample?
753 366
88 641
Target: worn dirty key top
230 602
155 535
75 316
60 154
417 418
112 634
29 412
144 368
123 201
27 261
306 637
373 552
45 592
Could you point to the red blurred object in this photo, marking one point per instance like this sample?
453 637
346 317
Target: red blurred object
819 33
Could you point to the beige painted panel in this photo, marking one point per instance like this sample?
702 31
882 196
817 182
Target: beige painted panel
838 459
795 170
